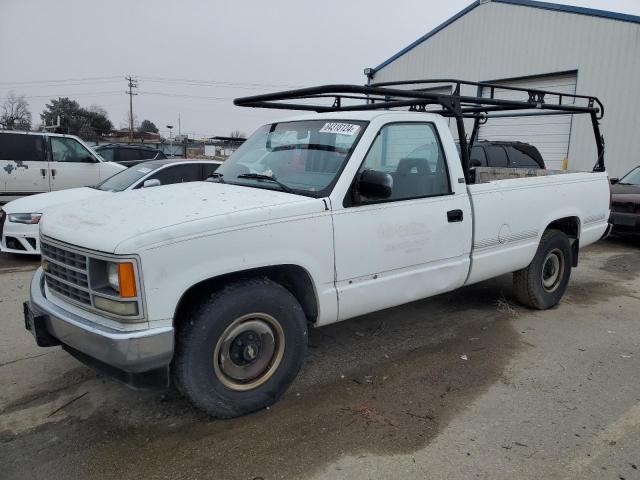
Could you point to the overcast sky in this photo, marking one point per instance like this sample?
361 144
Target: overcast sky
193 57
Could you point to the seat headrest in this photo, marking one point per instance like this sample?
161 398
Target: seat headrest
405 165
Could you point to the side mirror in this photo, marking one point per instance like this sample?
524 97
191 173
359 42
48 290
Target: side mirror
153 182
613 181
475 163
89 159
375 184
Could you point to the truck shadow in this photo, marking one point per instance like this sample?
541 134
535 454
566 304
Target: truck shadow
384 383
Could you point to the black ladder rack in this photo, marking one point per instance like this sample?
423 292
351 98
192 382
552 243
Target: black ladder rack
386 95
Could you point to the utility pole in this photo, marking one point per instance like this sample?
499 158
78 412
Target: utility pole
132 84
179 124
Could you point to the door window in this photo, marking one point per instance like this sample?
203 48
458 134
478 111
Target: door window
128 155
69 150
147 154
23 148
412 154
178 174
496 156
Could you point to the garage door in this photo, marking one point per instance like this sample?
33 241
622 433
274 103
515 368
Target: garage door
550 134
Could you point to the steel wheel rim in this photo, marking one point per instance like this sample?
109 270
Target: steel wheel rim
249 351
552 270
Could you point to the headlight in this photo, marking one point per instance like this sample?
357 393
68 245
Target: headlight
121 277
26 218
115 288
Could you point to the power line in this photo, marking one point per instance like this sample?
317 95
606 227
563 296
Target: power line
62 80
80 94
201 97
41 85
216 82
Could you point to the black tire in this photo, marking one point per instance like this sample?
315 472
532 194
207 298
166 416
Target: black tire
535 286
199 374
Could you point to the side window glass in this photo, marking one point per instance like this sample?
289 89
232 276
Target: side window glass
22 148
147 154
411 153
496 156
477 153
520 159
129 154
178 174
107 154
69 150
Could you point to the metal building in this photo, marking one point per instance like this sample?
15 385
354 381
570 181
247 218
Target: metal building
549 46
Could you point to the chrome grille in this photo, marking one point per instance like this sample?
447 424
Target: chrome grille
66 272
64 256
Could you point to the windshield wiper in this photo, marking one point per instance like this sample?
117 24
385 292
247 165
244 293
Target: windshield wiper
260 176
216 175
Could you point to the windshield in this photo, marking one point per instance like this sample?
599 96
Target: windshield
304 157
631 178
124 179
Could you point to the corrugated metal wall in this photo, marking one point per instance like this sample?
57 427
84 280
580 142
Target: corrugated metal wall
500 41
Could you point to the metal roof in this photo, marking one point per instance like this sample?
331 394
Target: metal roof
592 12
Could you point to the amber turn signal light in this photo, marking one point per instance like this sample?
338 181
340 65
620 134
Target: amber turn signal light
127 280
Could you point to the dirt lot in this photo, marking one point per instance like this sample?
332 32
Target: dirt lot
464 385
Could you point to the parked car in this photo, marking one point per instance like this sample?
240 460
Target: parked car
625 203
19 219
214 284
503 154
36 162
129 155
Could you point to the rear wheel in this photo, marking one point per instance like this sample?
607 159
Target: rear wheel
542 284
241 348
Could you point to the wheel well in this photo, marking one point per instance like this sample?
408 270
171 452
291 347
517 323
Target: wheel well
570 226
293 277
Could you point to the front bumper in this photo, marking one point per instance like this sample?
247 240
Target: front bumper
624 222
19 238
138 358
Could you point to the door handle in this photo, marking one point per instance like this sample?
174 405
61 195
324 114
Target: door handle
43 171
454 215
53 172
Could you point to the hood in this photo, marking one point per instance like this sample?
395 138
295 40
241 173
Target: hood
133 220
43 201
620 189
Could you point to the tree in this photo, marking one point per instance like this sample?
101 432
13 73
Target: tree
75 120
15 112
237 134
148 126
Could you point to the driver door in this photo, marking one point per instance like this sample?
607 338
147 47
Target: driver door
72 165
414 243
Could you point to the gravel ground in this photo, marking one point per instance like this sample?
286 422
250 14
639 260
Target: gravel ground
463 385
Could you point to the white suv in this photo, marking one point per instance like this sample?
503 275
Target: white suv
35 162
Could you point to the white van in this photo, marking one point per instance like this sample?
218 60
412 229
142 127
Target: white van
36 162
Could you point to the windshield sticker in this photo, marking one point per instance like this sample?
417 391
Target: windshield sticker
144 170
341 128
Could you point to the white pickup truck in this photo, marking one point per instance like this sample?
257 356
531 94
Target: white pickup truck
314 220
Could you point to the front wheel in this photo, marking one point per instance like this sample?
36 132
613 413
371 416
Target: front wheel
241 348
542 284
